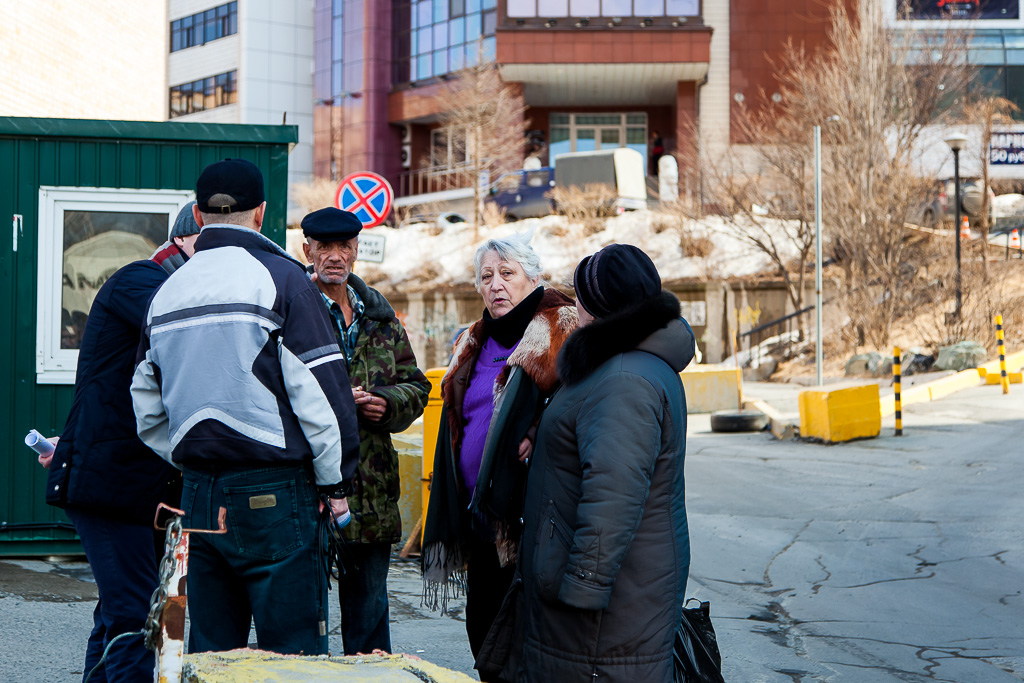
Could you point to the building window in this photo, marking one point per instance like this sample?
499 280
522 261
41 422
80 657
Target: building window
589 132
85 235
204 27
448 151
204 94
529 9
437 37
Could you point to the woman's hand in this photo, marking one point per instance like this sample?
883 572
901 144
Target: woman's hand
525 448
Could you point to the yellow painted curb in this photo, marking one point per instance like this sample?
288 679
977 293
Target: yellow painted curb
1012 378
256 666
841 414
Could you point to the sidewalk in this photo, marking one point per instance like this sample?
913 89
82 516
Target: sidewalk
783 397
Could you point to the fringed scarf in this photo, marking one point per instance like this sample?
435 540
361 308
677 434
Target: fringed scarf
448 522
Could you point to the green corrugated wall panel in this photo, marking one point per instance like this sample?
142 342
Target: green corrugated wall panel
101 154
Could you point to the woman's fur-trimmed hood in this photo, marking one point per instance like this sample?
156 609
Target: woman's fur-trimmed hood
653 325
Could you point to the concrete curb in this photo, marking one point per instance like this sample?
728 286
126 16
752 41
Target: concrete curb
781 426
787 426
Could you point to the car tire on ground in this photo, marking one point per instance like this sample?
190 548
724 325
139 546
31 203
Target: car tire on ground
738 421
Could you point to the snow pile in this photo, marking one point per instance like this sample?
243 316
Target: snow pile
1009 205
423 256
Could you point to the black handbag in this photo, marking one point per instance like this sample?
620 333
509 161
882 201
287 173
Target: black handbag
696 654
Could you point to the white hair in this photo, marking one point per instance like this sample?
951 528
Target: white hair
512 248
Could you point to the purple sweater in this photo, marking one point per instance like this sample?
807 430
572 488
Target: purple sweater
478 407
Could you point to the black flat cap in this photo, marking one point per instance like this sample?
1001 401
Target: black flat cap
331 224
229 186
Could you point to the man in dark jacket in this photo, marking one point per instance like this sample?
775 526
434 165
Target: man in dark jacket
104 477
605 551
241 384
390 392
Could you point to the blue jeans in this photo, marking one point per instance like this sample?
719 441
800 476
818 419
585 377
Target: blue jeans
363 593
266 568
123 558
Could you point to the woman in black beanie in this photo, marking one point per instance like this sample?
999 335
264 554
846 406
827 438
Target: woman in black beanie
605 551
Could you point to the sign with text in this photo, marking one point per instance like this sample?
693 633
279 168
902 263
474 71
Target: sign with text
371 248
961 9
1006 149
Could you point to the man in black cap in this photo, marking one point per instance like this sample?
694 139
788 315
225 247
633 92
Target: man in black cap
240 384
390 392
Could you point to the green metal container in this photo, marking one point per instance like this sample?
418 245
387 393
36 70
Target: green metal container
66 154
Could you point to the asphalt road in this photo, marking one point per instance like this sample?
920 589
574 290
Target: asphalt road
890 559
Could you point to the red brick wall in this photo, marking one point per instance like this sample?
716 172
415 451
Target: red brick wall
759 31
612 46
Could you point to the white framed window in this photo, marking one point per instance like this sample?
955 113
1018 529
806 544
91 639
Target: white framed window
85 234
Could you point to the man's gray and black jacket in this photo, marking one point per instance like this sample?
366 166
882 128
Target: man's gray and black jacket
238 365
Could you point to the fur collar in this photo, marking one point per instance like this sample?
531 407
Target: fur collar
604 338
537 353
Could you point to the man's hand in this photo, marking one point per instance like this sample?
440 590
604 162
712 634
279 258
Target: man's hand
44 460
339 506
370 406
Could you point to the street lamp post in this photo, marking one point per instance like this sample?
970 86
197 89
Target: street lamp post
818 352
818 355
956 142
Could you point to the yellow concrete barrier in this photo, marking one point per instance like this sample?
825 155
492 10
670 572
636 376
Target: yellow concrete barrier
431 424
246 666
709 388
841 414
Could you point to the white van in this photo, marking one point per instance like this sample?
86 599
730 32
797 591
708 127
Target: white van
622 169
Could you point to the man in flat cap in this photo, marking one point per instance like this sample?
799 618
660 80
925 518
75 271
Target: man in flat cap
390 392
240 384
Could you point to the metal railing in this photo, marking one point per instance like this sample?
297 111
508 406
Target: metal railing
434 179
776 328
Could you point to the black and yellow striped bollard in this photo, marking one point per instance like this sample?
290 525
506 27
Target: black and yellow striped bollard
897 374
1003 379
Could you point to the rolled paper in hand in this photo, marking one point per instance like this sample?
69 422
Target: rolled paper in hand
38 443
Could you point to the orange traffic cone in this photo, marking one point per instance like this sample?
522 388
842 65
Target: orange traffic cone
965 229
1014 239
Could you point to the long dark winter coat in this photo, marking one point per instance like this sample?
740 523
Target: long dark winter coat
100 464
605 552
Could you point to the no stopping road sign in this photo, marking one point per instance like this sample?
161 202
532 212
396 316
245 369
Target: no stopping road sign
367 195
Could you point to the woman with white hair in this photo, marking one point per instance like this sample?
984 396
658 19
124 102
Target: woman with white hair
503 368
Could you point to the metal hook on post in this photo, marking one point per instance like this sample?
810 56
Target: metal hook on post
165 625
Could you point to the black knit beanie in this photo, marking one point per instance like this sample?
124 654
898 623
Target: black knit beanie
615 278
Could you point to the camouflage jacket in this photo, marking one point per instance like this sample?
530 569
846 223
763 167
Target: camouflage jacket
383 364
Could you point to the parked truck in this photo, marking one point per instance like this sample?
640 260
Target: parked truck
527 193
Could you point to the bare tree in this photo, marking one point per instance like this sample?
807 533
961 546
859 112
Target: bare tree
484 116
987 113
872 88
